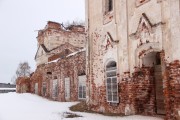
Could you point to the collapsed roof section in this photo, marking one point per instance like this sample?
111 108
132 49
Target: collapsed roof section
55 41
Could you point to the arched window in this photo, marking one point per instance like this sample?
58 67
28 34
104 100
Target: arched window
111 82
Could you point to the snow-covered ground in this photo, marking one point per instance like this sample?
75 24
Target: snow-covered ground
26 106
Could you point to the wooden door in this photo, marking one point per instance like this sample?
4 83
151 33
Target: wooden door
159 90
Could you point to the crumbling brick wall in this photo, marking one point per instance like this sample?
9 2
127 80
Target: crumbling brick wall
23 85
71 66
172 89
136 91
142 94
36 78
54 37
47 76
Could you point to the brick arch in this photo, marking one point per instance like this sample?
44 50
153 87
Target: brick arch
144 50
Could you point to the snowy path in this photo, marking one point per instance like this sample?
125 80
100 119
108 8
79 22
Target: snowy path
15 106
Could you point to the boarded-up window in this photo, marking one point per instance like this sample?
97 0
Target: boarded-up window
67 88
44 87
36 88
111 82
55 88
82 87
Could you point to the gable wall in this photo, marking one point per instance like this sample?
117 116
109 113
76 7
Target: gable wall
52 38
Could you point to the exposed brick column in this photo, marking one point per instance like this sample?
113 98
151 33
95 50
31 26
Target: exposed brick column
172 89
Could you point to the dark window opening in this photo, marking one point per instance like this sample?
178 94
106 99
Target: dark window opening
158 59
66 51
49 73
110 5
80 73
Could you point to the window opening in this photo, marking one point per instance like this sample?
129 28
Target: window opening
55 89
111 82
82 87
44 88
36 88
108 6
67 88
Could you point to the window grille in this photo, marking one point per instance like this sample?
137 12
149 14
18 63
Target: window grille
111 83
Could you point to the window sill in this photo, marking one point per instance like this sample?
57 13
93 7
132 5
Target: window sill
108 17
82 99
114 103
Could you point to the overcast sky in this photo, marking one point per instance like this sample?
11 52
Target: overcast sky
19 22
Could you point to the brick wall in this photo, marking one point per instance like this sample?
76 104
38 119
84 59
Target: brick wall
23 85
172 89
136 91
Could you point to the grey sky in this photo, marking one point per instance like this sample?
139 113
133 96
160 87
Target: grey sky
19 20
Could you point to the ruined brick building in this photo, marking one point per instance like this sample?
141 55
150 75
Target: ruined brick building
23 84
131 59
60 59
133 56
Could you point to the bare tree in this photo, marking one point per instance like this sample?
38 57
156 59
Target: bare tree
75 22
23 70
13 80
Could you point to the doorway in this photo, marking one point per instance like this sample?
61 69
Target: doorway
153 59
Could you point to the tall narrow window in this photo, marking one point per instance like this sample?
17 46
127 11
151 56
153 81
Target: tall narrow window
108 5
111 82
55 88
82 87
67 88
36 88
44 88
